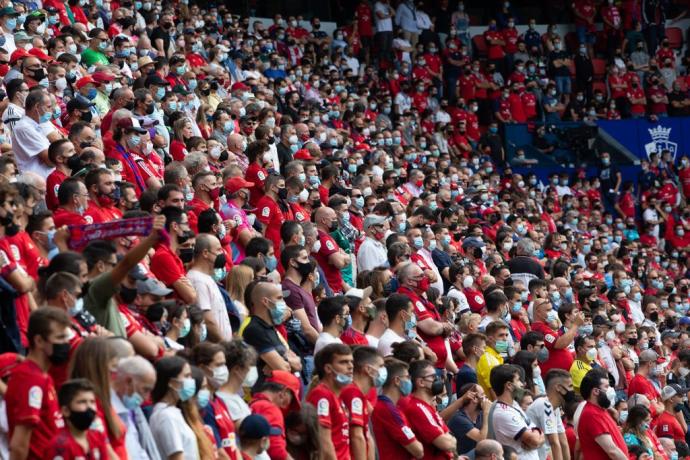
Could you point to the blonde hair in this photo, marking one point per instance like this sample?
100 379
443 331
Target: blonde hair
466 320
238 279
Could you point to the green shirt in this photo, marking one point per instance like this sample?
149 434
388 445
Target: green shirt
90 57
100 303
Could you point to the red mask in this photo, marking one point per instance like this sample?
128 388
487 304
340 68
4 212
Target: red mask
379 235
419 183
423 284
4 68
104 200
215 193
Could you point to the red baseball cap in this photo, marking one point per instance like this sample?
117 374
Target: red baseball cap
234 184
8 361
303 154
37 52
19 53
239 86
102 77
291 382
83 81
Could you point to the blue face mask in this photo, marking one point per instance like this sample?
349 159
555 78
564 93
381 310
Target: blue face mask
381 377
343 379
134 141
294 148
271 263
192 84
11 24
411 323
103 45
517 306
160 93
418 242
228 127
203 398
204 333
187 389
586 329
348 323
91 95
77 308
278 312
172 105
133 401
405 387
186 327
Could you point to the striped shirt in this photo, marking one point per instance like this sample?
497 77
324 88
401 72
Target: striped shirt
12 115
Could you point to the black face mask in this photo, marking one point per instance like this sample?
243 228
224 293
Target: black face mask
437 387
674 347
654 316
39 74
86 117
60 353
603 400
569 396
477 253
304 269
11 228
205 92
282 193
74 163
333 227
316 204
149 109
82 420
128 294
129 106
632 341
223 156
186 255
220 261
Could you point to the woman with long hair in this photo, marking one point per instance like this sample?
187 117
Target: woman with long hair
238 279
210 358
302 434
470 424
241 361
182 132
636 432
93 360
528 362
175 439
204 117
190 411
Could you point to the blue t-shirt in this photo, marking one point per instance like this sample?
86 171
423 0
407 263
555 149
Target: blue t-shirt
459 425
465 375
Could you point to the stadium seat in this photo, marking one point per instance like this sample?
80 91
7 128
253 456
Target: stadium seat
571 42
600 85
675 37
571 67
599 69
479 45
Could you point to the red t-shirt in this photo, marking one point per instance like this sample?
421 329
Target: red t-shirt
178 150
270 215
352 336
226 427
641 385
594 422
32 401
391 429
358 407
627 204
558 358
9 262
257 176
668 427
494 51
510 36
332 414
64 217
427 425
53 182
423 309
364 24
328 247
64 446
656 107
274 416
166 265
100 214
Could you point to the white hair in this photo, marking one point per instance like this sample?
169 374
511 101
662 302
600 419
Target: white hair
135 366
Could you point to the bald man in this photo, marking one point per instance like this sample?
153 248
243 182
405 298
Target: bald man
330 256
236 146
268 311
488 449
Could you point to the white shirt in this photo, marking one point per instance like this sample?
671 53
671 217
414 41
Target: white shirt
400 43
171 432
28 141
423 21
237 406
426 255
650 214
460 297
371 254
386 24
209 298
12 115
507 422
547 419
324 339
387 340
636 311
406 17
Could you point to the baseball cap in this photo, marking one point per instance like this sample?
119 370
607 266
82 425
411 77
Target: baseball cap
359 293
669 391
131 124
8 11
19 53
473 242
684 321
152 286
138 273
239 86
669 333
38 52
648 356
374 219
256 426
83 81
8 361
155 80
234 184
102 77
303 154
79 102
22 36
179 89
291 382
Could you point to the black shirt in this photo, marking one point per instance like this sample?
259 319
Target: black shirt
160 33
264 338
562 71
677 96
284 156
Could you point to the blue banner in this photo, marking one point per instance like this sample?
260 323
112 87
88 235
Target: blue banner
642 137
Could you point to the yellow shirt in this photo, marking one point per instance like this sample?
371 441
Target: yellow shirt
577 371
490 359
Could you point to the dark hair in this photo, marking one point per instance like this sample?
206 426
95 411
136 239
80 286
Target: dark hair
41 322
636 415
238 353
167 369
71 388
203 353
207 219
98 251
258 245
67 190
329 308
59 282
530 339
417 369
172 214
592 380
363 356
472 340
494 300
289 253
407 351
524 359
395 304
289 229
395 368
326 355
501 375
